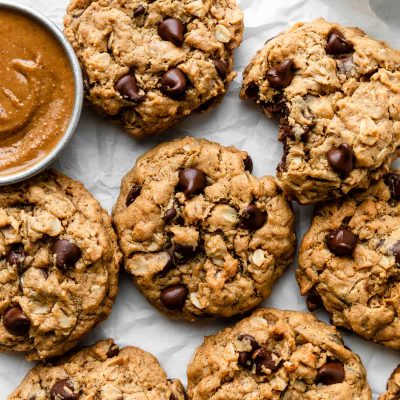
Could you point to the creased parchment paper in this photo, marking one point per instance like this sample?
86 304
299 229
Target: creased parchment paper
100 154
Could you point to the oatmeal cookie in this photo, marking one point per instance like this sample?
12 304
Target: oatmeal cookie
202 236
393 387
276 355
101 371
148 63
336 94
349 261
59 263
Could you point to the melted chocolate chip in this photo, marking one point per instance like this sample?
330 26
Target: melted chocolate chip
341 242
66 252
393 181
174 297
341 159
281 75
253 218
331 373
192 181
183 252
16 256
173 30
245 360
222 68
139 10
15 321
313 301
248 164
252 91
63 390
170 215
174 83
396 252
133 194
337 43
113 351
264 360
127 87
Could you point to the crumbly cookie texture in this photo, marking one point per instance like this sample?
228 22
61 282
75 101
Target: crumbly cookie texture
148 63
393 387
201 235
103 372
349 261
336 94
59 262
274 355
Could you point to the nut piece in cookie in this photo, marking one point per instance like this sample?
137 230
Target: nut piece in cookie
335 93
349 261
277 355
59 259
148 64
201 236
100 371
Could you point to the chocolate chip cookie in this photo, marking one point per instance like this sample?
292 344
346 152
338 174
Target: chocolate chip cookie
393 387
349 261
59 263
200 234
336 94
277 354
102 371
148 63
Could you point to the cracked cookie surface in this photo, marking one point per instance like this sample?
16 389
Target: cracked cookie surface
349 260
148 63
273 355
103 372
336 94
59 262
393 387
202 236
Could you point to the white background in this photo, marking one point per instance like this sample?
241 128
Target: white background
100 154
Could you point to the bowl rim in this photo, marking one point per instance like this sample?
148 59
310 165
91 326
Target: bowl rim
53 29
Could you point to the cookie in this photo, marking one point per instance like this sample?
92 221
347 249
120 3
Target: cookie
393 387
59 262
336 94
148 63
101 371
349 261
201 236
277 354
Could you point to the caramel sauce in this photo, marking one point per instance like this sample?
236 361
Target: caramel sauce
36 92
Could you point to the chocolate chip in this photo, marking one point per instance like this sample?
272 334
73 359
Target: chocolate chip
252 91
337 43
173 30
169 265
172 397
264 359
113 351
245 360
253 218
192 181
170 215
341 159
313 301
174 83
248 164
341 242
139 10
331 373
396 252
15 321
133 194
66 252
183 252
16 256
63 390
253 342
393 181
281 75
174 297
128 89
222 68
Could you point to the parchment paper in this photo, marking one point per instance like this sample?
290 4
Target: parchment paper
100 154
